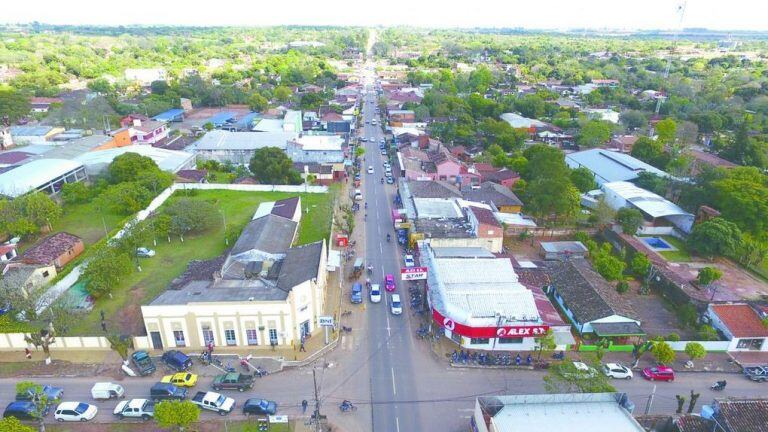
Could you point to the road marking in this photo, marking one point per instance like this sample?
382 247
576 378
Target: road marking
381 249
394 388
397 423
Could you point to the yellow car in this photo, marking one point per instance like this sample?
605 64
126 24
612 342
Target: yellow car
181 379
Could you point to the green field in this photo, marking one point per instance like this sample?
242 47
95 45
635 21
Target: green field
171 260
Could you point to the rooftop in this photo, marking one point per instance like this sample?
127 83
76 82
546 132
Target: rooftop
14 157
484 216
301 264
225 140
491 193
650 203
610 166
169 115
564 246
34 174
270 234
431 208
50 248
432 189
286 207
39 131
741 320
167 160
742 415
517 121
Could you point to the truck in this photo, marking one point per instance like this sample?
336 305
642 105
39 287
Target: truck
107 390
135 408
233 381
143 363
756 373
213 401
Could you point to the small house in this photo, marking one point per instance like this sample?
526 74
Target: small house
562 250
57 249
741 325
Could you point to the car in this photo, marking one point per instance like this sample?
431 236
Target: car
181 379
390 180
52 394
177 360
756 373
617 371
370 169
166 391
383 152
386 165
107 390
5 307
357 293
233 381
389 283
256 406
659 373
143 252
409 261
75 411
375 293
213 401
382 141
135 408
24 410
143 363
395 306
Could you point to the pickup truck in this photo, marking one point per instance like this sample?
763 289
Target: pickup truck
233 381
757 373
143 363
135 408
214 402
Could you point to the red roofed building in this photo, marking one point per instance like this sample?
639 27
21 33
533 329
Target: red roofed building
741 325
57 249
484 225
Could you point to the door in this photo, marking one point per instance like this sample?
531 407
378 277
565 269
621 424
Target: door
157 341
273 336
304 329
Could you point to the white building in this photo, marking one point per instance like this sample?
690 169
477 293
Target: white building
167 160
741 325
610 166
44 175
662 215
602 114
146 76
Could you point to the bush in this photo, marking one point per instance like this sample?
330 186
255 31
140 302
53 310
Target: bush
76 193
630 220
640 265
581 237
673 337
663 353
622 287
708 333
687 315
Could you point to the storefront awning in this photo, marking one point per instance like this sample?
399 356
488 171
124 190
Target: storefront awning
617 329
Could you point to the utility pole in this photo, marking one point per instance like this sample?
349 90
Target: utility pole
316 414
650 400
659 99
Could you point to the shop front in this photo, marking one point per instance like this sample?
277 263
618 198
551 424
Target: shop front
505 336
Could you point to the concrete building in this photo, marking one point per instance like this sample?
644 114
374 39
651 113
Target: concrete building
33 134
741 325
28 277
146 76
57 250
593 412
610 166
238 147
562 250
661 216
44 175
322 149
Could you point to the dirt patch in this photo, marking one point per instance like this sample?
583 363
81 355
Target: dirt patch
58 368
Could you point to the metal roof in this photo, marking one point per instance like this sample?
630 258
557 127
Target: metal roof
517 121
169 115
167 160
221 118
34 174
650 203
436 208
225 140
610 166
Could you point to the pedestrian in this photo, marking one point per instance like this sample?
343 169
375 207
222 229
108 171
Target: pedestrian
304 405
210 348
104 325
27 353
301 347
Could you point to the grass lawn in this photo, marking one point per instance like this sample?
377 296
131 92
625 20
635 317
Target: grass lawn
123 309
85 221
679 255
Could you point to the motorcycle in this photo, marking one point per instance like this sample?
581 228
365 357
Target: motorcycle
347 406
382 181
259 372
346 329
389 237
718 385
559 356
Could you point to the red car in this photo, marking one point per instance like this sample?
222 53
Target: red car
389 283
659 373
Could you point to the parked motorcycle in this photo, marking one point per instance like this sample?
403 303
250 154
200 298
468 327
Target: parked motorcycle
347 406
346 329
259 372
718 385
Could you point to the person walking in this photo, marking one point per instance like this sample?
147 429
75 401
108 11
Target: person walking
304 405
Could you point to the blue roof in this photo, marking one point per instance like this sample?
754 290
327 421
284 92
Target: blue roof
221 118
169 115
246 122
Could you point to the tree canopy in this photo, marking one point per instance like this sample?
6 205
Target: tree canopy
270 165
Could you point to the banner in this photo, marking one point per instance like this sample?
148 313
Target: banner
489 332
413 273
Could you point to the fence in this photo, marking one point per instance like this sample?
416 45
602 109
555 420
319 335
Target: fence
709 346
16 342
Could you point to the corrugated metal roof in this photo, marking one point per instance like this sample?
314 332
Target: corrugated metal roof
610 166
34 174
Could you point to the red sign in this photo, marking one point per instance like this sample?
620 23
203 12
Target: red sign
413 273
489 332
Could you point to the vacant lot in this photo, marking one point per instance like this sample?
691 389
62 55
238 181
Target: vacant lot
123 309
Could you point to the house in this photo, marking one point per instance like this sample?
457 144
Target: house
401 116
191 176
433 189
460 153
741 325
146 76
610 166
43 104
606 82
503 176
167 160
321 174
238 147
500 198
44 175
28 277
485 226
727 415
702 159
622 143
589 301
661 216
593 412
608 115
266 293
33 134
324 149
172 115
8 252
289 208
57 249
142 129
562 250
14 158
519 122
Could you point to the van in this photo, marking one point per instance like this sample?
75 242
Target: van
107 390
358 195
388 170
164 391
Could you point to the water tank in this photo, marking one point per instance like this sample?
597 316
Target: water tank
707 412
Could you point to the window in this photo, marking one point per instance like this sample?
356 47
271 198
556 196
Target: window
45 273
510 340
229 337
480 341
252 335
208 336
273 336
750 344
178 337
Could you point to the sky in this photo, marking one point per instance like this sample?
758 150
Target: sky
532 14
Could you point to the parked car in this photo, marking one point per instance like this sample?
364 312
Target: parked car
164 391
357 293
52 394
389 283
370 169
143 363
143 252
617 370
233 381
107 390
177 360
256 406
390 180
395 306
659 373
5 307
181 379
216 402
756 373
375 293
24 410
409 261
75 411
135 408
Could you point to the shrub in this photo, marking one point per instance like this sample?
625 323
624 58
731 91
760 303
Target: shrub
663 353
687 315
708 333
673 337
640 265
622 287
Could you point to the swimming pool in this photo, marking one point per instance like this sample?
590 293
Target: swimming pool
657 243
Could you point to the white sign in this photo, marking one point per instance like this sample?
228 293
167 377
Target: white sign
325 321
413 273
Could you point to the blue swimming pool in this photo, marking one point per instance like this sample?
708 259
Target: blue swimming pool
657 243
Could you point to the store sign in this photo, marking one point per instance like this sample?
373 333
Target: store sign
325 321
489 332
413 273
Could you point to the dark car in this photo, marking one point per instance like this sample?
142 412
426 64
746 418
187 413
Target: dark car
177 360
24 410
143 363
164 391
256 406
357 293
51 393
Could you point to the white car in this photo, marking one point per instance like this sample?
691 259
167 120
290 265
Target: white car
617 370
75 411
143 252
409 262
395 306
375 293
370 169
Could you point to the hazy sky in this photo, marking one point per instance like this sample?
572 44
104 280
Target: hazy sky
549 14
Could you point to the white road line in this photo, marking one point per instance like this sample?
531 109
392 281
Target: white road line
397 423
394 388
381 248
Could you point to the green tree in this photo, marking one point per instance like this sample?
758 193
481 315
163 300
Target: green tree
176 413
715 237
105 269
695 351
270 165
564 377
603 213
552 198
159 87
76 193
129 167
640 265
638 349
594 133
125 198
707 275
609 266
663 353
622 286
630 220
39 397
666 130
191 216
633 119
282 93
741 195
751 251
12 424
40 209
546 342
583 179
257 102
650 151
311 101
209 126
100 85
13 103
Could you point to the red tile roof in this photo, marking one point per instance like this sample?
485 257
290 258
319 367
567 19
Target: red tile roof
741 320
483 167
50 248
484 216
